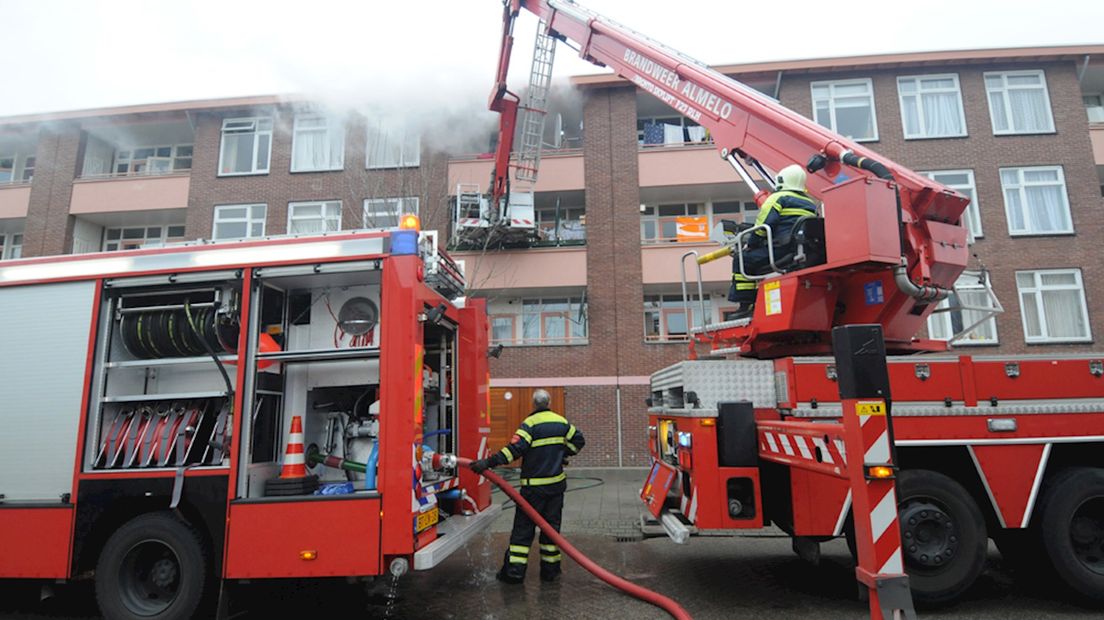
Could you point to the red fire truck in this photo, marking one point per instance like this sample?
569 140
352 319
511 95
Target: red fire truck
754 431
148 397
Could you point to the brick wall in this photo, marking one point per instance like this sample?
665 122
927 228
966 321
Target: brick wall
985 154
351 186
48 228
593 410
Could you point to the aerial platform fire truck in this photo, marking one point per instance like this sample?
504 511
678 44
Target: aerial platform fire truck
756 430
176 417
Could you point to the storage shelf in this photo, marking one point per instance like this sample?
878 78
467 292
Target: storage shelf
169 361
320 355
133 398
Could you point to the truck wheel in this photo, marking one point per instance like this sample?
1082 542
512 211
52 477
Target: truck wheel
1073 530
942 535
154 566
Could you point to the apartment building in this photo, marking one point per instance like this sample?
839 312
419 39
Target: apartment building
626 187
227 169
1020 131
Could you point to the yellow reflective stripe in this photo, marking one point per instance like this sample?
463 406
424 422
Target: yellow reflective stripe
522 549
551 559
536 482
509 455
543 417
574 449
570 430
546 441
548 548
516 560
521 432
794 211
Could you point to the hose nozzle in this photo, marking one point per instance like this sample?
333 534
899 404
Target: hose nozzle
443 461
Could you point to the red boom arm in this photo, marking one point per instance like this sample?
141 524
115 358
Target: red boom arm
746 123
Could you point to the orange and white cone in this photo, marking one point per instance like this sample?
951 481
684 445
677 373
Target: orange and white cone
295 462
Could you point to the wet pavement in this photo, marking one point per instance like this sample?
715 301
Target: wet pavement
712 577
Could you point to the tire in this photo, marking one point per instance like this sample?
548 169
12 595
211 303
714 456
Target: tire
153 567
943 536
1072 529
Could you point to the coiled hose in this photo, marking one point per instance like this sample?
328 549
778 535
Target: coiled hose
640 592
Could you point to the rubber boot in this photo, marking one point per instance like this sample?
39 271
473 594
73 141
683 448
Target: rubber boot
512 573
549 571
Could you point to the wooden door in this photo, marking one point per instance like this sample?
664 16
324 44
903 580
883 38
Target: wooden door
509 406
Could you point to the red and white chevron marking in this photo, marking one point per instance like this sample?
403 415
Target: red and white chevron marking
818 447
884 528
517 222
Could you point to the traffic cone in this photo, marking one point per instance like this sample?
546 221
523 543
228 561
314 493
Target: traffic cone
295 461
293 479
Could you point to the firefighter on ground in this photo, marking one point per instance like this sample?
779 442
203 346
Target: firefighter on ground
781 210
544 441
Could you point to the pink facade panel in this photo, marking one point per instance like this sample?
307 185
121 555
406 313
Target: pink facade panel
683 165
129 194
557 173
1096 134
14 200
661 264
534 268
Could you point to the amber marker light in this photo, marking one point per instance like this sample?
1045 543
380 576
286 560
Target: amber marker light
410 222
880 472
308 555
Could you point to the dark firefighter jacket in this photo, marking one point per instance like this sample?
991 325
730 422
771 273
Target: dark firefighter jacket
781 211
543 441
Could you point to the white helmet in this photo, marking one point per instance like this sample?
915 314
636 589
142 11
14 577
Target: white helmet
791 178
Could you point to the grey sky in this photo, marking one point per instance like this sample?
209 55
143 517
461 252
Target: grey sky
71 54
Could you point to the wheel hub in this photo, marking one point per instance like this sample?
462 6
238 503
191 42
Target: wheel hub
929 537
1087 534
149 578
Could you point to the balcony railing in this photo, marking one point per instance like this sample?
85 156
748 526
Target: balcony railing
540 342
149 172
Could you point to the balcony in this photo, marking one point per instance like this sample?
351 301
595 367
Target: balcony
14 200
691 164
661 264
519 271
129 193
559 171
1096 135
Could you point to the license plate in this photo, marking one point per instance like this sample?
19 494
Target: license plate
426 520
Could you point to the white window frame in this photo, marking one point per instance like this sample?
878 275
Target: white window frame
397 206
145 241
832 85
1003 90
650 213
1021 186
333 140
257 134
1038 289
248 220
972 214
575 304
966 283
11 245
918 79
330 210
655 304
389 130
125 157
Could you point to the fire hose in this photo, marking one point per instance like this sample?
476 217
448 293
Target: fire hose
640 592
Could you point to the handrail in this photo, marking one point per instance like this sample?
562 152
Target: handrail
738 244
686 298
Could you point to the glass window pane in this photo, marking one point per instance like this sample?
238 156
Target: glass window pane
1024 80
1025 280
176 231
996 106
231 230
1063 314
1030 314
256 229
257 212
1058 279
262 151
855 122
226 213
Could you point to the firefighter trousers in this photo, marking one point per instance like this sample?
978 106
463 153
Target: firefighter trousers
548 501
756 262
